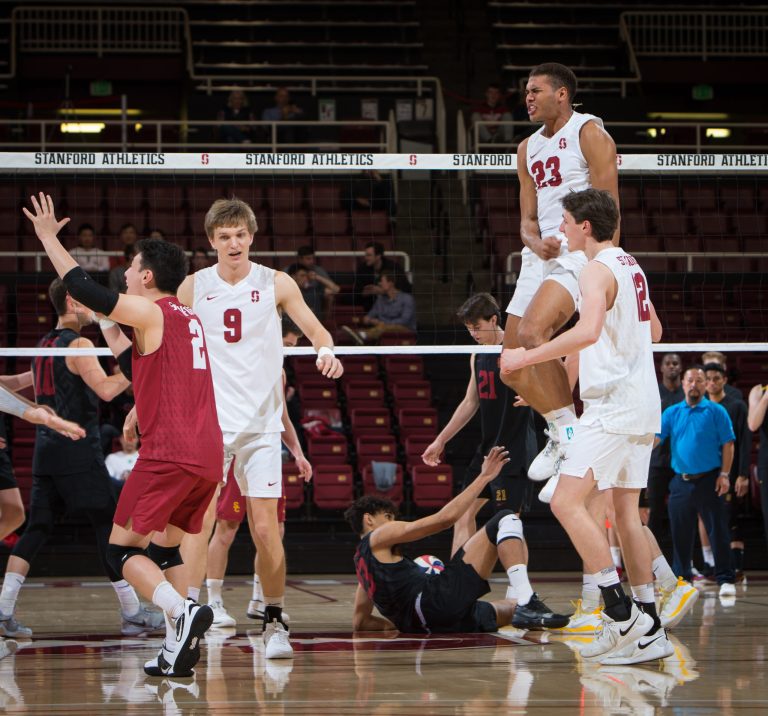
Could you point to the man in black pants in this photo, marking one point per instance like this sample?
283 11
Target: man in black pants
661 472
415 602
70 475
502 423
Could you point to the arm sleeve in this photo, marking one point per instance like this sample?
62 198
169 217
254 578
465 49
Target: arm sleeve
666 424
10 403
125 361
724 425
91 294
743 442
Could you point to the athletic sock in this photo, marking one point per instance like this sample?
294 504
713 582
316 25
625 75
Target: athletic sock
214 590
738 558
616 556
709 557
663 573
561 417
257 595
519 585
10 593
193 593
649 608
126 595
273 609
168 599
617 605
590 594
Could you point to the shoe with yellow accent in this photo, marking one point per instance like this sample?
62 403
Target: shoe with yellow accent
676 603
681 664
582 622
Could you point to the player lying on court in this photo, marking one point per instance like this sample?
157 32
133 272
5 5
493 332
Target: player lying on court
413 601
175 478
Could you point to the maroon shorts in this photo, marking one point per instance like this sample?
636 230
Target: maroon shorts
231 505
157 494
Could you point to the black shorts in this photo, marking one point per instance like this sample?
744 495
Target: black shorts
77 492
7 478
507 492
449 601
658 485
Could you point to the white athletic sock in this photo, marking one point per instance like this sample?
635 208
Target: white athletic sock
607 577
590 593
168 599
257 595
193 593
562 416
643 593
519 585
129 602
10 593
709 558
214 590
616 556
663 573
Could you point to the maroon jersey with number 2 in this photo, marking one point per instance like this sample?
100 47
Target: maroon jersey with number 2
175 404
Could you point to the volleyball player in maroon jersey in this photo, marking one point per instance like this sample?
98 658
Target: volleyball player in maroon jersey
171 485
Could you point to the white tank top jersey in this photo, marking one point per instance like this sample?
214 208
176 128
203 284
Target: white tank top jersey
616 375
245 346
558 168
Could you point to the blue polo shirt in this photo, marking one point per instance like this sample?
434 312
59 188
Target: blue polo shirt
697 435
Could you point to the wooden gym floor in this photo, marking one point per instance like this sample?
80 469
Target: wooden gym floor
78 663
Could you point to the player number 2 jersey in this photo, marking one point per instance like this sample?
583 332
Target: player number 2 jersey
245 346
616 375
557 168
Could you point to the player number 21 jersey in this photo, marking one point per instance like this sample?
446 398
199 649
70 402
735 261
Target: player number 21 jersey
244 337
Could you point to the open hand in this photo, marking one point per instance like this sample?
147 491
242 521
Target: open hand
494 461
40 415
44 219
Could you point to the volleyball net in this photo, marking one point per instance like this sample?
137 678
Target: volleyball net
448 225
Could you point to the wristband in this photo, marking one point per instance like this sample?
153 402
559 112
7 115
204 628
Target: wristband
724 474
324 351
105 323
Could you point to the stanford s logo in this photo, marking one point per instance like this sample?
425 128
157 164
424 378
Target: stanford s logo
562 143
254 296
203 159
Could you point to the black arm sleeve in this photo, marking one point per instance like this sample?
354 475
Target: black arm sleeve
91 294
743 442
125 361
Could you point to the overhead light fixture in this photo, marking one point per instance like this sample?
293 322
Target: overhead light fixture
718 133
689 116
82 127
96 112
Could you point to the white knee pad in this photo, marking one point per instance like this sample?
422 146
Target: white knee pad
510 527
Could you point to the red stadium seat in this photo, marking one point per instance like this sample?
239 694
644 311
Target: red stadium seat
285 197
370 420
415 445
432 486
365 390
397 367
411 393
370 224
375 447
324 197
293 486
498 195
330 223
417 421
333 487
394 493
327 449
317 391
290 224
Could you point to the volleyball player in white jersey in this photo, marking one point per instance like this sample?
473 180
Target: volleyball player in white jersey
570 152
611 444
237 301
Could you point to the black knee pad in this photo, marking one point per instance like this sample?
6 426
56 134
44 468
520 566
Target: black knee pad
492 526
117 555
164 557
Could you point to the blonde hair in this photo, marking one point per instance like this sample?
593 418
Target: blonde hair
229 213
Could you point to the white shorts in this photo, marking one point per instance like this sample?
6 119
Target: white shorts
565 269
259 464
615 460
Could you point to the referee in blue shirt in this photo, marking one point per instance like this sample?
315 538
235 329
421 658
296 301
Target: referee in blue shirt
702 440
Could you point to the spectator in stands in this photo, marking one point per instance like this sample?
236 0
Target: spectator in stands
313 293
200 259
117 274
283 111
317 275
493 109
119 464
737 411
660 471
367 274
702 442
127 235
86 254
235 111
393 312
371 192
157 234
757 420
718 357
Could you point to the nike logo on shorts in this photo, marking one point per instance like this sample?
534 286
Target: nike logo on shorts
272 484
209 298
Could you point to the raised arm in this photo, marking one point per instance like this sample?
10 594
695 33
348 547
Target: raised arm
461 416
599 150
758 405
394 533
289 298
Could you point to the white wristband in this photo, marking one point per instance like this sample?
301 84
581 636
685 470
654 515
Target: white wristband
324 351
105 323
